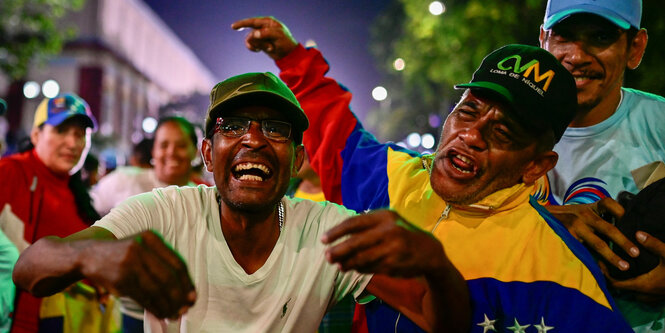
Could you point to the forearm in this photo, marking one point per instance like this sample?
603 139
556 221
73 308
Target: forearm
49 266
446 305
52 264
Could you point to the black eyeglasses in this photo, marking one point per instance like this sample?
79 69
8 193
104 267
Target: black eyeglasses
234 127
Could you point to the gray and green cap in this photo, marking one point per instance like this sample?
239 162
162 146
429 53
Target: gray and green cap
261 89
540 91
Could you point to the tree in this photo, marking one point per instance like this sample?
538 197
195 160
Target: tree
441 51
28 31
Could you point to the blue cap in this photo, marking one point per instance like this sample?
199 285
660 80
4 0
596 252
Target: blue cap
54 111
623 13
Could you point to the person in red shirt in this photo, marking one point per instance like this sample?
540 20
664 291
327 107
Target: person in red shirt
39 195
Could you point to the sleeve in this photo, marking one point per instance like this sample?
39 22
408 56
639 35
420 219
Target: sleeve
14 190
101 194
8 257
349 160
151 210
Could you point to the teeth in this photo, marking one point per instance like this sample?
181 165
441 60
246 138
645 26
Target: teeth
251 177
464 159
461 170
247 166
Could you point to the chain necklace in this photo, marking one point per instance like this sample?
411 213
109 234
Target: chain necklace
280 215
280 212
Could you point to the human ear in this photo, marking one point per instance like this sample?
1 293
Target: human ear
539 166
299 158
34 135
206 152
637 47
542 37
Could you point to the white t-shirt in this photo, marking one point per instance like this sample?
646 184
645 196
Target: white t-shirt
121 184
289 293
595 161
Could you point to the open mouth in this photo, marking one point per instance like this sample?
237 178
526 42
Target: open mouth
251 172
462 163
584 77
171 164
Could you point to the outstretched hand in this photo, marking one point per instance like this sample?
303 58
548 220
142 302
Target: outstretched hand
144 268
585 223
268 35
382 242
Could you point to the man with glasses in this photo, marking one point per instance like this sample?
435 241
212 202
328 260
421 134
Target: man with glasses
241 257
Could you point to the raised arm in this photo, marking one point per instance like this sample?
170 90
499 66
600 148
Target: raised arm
142 267
412 272
340 150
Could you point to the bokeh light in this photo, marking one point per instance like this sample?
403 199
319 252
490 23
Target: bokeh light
50 88
399 64
427 141
413 140
149 124
437 8
31 89
379 93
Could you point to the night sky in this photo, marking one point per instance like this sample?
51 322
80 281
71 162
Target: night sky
340 29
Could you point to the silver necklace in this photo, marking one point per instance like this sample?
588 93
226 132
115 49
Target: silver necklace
280 212
280 215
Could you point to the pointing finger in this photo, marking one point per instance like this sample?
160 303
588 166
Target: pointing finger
253 22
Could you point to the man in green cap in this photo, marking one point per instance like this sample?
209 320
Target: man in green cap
242 257
523 269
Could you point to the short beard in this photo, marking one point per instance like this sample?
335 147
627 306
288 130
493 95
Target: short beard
251 208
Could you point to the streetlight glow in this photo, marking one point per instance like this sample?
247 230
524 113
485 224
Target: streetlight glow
379 93
30 89
399 64
437 8
413 140
50 88
149 124
427 141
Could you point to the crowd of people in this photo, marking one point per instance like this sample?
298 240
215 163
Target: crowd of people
504 228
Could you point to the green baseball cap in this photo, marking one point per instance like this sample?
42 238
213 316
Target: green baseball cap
264 89
540 91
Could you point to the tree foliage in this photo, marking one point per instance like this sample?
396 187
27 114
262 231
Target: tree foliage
441 51
29 31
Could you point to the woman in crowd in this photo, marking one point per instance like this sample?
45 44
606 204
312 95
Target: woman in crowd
40 198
